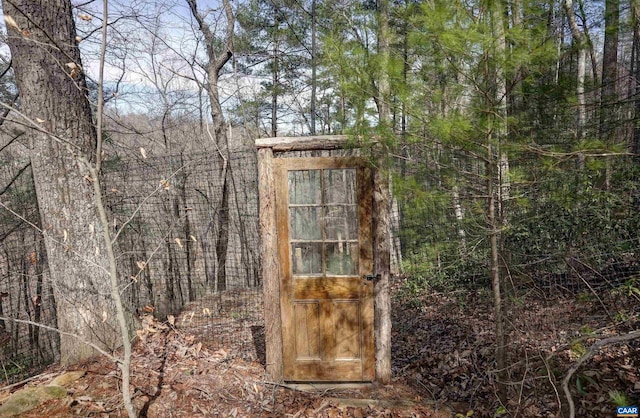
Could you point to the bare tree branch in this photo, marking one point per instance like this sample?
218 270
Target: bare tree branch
96 347
6 187
223 58
590 353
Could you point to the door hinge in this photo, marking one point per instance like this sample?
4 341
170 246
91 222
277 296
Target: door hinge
371 277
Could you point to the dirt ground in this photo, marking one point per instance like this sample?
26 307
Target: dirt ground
175 375
209 362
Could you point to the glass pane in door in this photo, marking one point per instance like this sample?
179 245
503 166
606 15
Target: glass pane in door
323 222
305 223
305 187
340 186
342 258
341 222
306 258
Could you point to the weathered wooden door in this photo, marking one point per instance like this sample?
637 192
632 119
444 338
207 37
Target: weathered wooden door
323 212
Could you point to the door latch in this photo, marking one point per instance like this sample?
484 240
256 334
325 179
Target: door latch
371 277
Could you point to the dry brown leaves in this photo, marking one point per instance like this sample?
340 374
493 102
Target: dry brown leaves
443 345
197 365
175 374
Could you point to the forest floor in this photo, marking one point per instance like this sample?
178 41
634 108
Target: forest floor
209 362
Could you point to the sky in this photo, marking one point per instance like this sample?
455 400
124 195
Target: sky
155 56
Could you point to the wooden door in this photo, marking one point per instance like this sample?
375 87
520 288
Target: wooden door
323 213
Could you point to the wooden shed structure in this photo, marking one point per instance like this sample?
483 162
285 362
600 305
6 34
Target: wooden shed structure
324 222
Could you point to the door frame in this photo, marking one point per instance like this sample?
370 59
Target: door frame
270 149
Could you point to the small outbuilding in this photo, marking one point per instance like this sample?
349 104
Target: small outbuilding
324 222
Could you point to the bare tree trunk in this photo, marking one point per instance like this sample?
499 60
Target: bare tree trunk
634 144
459 213
609 95
122 320
187 234
588 42
217 60
275 72
223 234
505 186
497 198
314 64
39 273
559 32
65 156
394 231
381 207
384 49
54 97
501 355
382 267
580 42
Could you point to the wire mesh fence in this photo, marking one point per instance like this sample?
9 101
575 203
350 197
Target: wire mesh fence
564 228
186 251
171 233
178 242
25 288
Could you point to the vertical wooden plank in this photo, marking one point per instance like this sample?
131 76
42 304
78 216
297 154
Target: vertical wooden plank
327 338
306 318
365 183
270 265
283 251
382 266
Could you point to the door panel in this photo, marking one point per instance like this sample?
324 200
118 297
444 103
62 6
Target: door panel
306 320
323 210
346 328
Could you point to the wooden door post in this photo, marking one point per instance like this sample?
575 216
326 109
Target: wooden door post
382 267
270 268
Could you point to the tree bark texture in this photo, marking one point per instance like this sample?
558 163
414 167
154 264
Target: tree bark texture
382 207
270 266
382 267
609 97
54 97
304 143
384 49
